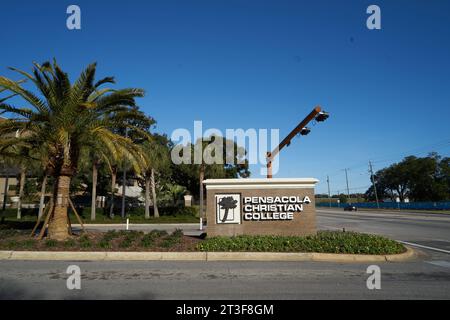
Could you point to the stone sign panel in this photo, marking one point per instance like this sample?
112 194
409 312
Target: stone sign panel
260 207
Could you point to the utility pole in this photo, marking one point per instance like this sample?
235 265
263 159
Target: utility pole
329 194
124 180
373 183
348 190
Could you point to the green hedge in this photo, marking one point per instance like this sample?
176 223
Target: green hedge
323 242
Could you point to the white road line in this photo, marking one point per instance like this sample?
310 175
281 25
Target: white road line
424 247
444 264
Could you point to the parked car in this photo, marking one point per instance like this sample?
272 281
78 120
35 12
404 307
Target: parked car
350 208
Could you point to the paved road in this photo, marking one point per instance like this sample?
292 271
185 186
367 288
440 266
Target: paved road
428 278
219 280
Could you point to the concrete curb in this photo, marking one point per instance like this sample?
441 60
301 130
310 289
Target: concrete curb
409 255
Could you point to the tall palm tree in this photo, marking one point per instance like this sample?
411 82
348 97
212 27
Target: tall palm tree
157 159
66 118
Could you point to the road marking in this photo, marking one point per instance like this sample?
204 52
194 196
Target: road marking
424 247
444 264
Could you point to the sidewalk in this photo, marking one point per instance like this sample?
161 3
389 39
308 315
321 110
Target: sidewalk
189 229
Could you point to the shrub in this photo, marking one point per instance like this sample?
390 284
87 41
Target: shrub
111 235
148 240
28 244
70 243
12 244
173 239
105 244
50 243
323 242
129 238
158 233
85 242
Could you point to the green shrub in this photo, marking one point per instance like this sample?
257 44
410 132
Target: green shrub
111 235
125 243
178 233
148 240
105 244
69 243
158 233
12 244
28 244
85 242
323 242
50 243
129 237
173 239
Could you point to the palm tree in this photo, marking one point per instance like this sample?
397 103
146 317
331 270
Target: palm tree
66 119
18 157
176 192
156 153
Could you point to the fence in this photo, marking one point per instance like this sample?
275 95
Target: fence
443 205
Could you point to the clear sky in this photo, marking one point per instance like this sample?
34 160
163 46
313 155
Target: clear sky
264 64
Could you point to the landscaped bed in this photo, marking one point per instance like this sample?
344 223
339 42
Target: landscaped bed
323 242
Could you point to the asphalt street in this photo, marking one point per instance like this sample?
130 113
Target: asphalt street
426 278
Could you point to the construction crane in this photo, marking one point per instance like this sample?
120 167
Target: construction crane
302 129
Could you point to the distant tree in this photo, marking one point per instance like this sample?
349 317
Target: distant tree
419 179
232 164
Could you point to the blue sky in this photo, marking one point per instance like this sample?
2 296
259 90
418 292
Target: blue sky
264 64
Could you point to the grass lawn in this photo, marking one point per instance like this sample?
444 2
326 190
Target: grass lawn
30 217
323 242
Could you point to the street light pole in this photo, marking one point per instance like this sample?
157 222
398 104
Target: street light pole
315 114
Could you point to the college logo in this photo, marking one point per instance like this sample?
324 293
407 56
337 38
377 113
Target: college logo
228 208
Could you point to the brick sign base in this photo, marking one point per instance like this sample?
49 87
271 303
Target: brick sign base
260 207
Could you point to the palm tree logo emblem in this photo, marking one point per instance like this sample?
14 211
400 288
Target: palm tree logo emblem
227 203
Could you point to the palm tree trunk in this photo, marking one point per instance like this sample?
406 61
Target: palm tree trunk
21 188
94 190
113 188
58 224
41 201
202 176
155 203
147 197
